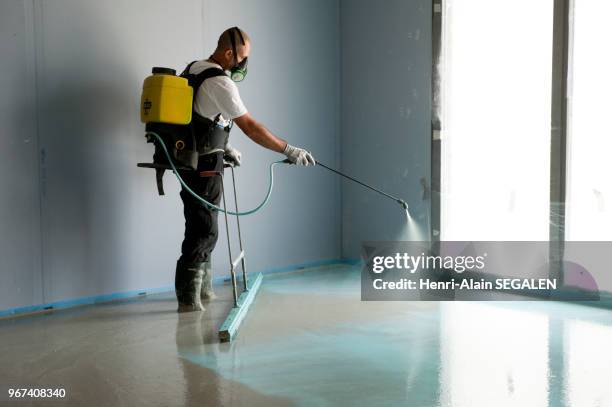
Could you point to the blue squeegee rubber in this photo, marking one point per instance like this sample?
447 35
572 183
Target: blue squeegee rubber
230 327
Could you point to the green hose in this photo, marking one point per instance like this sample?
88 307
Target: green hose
204 201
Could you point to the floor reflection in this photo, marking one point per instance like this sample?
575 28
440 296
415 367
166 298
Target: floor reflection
493 356
588 364
309 341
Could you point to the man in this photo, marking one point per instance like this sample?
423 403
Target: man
217 104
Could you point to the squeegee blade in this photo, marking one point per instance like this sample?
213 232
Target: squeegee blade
230 327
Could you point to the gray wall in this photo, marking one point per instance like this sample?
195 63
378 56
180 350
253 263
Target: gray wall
77 217
293 87
386 116
20 255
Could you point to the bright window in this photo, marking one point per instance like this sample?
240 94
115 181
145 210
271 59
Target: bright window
496 113
589 175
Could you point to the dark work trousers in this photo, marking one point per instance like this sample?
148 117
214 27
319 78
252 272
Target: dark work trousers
201 228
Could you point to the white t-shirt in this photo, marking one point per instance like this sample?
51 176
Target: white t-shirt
217 95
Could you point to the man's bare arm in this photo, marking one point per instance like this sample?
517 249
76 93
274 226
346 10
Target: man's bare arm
262 136
259 134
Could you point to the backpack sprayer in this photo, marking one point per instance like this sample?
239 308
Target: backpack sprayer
180 136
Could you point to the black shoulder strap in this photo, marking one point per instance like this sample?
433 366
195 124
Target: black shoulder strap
206 74
196 80
186 70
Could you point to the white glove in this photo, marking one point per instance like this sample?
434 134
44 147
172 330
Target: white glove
298 156
232 155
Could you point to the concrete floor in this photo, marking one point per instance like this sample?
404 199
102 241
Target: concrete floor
310 341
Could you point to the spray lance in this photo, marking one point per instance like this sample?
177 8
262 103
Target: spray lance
402 203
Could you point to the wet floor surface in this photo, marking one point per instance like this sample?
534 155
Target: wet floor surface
309 341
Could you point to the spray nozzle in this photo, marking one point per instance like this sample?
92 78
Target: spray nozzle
405 208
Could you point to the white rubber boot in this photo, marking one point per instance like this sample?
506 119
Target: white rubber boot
206 292
188 285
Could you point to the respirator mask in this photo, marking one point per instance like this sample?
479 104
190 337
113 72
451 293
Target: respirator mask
239 71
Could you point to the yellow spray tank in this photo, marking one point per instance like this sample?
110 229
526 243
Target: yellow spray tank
166 98
166 107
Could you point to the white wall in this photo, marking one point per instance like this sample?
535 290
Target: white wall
71 138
